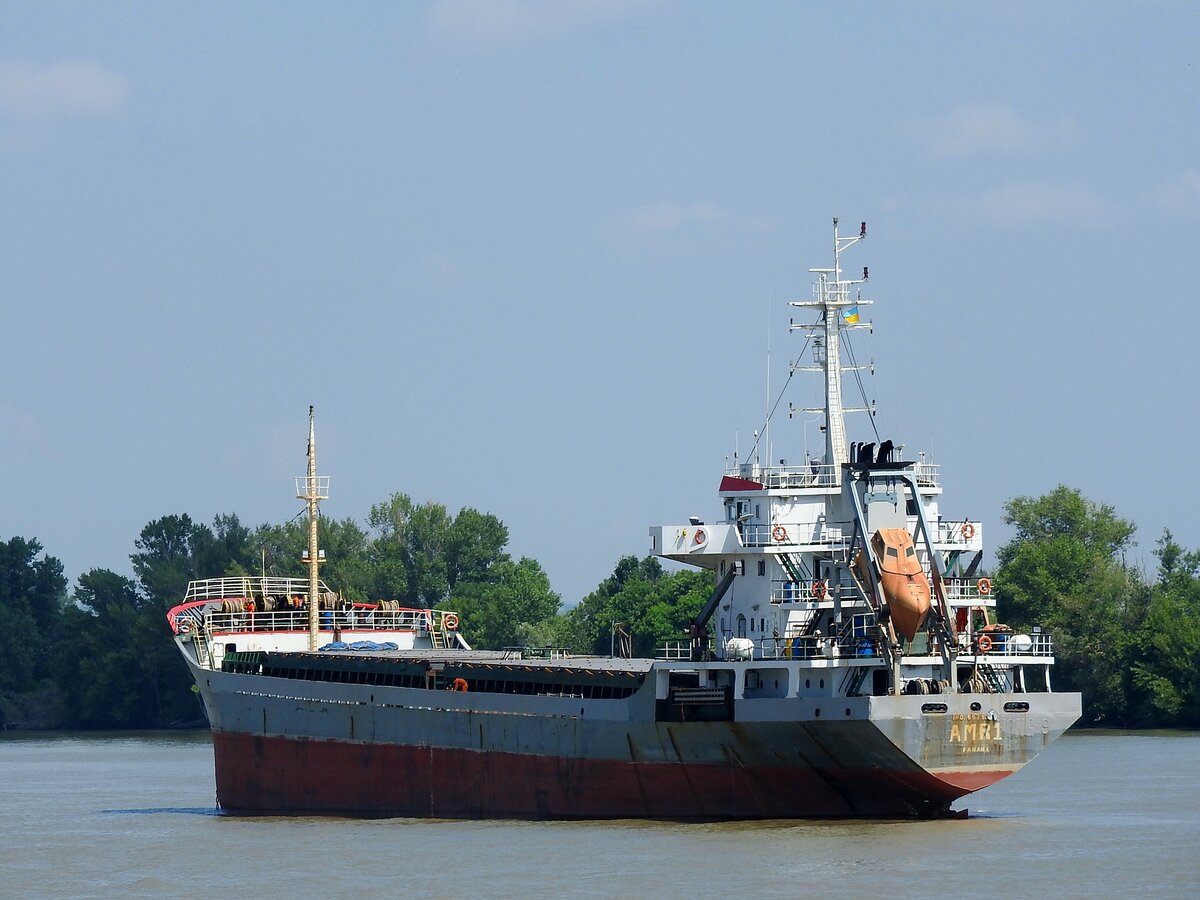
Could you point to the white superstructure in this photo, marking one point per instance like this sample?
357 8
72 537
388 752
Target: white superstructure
785 546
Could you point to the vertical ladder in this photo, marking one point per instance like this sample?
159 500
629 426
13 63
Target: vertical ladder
200 639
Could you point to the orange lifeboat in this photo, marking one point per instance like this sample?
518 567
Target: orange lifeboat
903 579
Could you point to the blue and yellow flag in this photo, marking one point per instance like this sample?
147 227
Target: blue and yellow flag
851 314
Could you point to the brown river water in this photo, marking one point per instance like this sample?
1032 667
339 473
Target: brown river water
1109 814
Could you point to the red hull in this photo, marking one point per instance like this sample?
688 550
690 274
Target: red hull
271 775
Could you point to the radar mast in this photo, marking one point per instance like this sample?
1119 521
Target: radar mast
837 311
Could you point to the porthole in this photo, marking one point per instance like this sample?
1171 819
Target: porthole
818 713
975 707
822 684
847 710
807 683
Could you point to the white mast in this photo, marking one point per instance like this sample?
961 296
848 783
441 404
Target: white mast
313 488
838 311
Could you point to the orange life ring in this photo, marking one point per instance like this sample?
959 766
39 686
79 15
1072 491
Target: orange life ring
968 531
450 622
249 606
460 685
699 538
985 643
779 533
819 590
984 585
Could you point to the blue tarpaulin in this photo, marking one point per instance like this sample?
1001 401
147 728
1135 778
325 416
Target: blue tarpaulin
361 645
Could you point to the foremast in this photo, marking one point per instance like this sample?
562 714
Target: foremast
837 310
313 488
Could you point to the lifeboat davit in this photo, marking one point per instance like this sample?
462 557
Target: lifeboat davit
902 578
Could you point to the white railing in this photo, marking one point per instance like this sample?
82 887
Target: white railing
956 532
814 646
1038 643
247 588
297 620
926 474
790 534
675 650
815 476
811 591
789 477
969 591
320 482
222 621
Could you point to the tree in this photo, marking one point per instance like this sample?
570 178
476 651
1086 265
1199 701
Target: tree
224 548
32 593
1064 570
474 544
164 563
513 607
1061 538
420 553
653 606
277 550
1167 647
406 555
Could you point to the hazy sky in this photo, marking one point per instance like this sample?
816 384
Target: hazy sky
529 257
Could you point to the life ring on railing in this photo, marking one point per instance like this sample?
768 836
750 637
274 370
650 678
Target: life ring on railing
250 606
985 643
699 538
450 622
819 590
460 685
779 533
968 531
984 585
185 625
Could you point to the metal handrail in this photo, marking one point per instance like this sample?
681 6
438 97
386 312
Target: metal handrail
966 592
214 621
249 588
819 476
788 477
789 591
674 650
789 534
1003 644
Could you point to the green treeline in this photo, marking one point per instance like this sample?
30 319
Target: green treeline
100 655
1128 642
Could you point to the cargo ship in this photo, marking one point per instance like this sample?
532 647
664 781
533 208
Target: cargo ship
846 664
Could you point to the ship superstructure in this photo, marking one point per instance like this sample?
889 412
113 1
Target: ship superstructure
847 663
800 568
